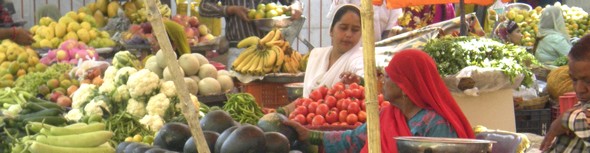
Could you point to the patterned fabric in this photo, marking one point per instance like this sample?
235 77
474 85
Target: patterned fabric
236 29
425 123
579 140
416 17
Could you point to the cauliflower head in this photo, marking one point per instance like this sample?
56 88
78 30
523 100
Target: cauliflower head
143 84
158 105
110 73
152 122
135 108
83 95
74 115
123 75
107 87
168 88
94 107
121 94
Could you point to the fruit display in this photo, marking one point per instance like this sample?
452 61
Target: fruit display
17 61
101 10
269 10
70 51
75 26
271 54
339 105
138 13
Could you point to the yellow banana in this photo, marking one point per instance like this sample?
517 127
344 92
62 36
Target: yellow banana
271 58
243 55
275 43
280 56
254 64
286 45
244 66
285 67
277 36
260 68
246 42
267 38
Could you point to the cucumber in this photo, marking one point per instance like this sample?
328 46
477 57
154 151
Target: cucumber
51 105
37 147
47 112
37 126
51 120
77 130
77 125
91 139
34 107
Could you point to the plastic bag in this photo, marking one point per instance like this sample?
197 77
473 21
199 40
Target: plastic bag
88 69
485 80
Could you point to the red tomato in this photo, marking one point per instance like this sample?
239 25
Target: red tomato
302 110
342 115
348 92
332 117
385 104
353 108
298 102
331 101
293 114
345 103
309 117
353 85
326 124
306 102
323 90
358 124
340 95
311 108
335 109
301 119
331 92
351 119
343 124
315 95
362 116
363 106
318 120
339 104
356 93
321 101
380 98
335 123
338 86
322 109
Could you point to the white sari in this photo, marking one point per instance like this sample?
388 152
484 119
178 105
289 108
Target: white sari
318 73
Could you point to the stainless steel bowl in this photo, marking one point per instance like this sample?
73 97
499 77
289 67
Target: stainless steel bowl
521 6
294 90
443 145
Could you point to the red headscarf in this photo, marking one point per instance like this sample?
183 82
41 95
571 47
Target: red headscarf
415 73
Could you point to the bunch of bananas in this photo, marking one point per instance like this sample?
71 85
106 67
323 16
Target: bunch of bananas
292 59
303 62
261 56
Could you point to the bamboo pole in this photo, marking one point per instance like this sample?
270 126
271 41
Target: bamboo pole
188 109
373 132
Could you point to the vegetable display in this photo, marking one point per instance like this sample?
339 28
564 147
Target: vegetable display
243 108
455 53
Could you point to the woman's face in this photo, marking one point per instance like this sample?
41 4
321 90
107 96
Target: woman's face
346 32
390 89
515 36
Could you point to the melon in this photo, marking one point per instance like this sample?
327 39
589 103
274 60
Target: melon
226 83
192 85
153 66
223 72
161 59
209 86
189 64
168 76
195 78
202 59
151 59
207 70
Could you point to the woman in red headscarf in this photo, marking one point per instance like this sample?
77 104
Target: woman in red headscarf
421 106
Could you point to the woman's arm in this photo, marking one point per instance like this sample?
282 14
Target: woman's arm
345 141
18 35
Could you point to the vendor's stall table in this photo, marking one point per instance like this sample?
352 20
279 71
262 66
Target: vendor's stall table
494 110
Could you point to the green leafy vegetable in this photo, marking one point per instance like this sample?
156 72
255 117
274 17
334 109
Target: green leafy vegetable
561 61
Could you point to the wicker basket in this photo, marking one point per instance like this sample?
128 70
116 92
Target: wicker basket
537 103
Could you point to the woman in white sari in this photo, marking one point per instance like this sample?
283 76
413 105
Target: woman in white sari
341 62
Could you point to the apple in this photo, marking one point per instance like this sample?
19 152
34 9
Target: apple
177 18
193 22
189 32
203 30
55 95
64 101
146 27
135 28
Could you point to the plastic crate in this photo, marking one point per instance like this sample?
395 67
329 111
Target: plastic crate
533 121
267 94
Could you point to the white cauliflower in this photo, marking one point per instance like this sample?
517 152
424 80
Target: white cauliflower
195 101
94 107
109 74
158 104
143 84
74 115
121 94
135 108
83 95
168 88
123 75
107 87
152 122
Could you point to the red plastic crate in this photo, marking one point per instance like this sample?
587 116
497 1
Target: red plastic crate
268 95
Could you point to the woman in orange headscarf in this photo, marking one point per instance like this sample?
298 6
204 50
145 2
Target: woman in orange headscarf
421 106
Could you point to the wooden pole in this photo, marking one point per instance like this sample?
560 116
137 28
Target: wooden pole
373 132
188 109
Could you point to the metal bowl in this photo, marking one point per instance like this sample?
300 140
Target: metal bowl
268 24
520 6
294 90
443 145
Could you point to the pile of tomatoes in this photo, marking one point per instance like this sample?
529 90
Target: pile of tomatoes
341 105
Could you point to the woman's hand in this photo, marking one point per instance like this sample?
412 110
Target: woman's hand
22 37
349 77
302 132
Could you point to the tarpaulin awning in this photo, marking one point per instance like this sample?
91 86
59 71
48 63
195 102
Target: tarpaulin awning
406 3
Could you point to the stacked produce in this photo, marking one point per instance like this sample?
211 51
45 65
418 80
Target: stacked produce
138 13
454 54
75 26
16 61
270 54
79 137
70 51
576 20
339 106
101 10
268 10
32 81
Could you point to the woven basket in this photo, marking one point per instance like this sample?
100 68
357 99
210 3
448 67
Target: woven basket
537 103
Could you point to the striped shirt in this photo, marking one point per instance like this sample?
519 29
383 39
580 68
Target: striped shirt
236 29
579 140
